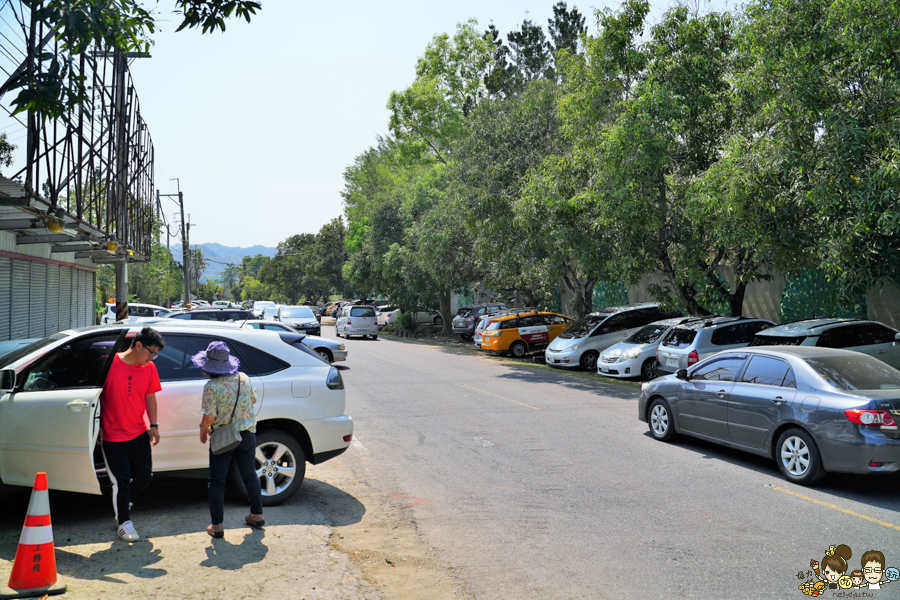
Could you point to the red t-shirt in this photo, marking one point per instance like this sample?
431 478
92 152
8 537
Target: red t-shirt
124 399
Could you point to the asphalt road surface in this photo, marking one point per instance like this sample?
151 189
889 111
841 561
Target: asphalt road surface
533 483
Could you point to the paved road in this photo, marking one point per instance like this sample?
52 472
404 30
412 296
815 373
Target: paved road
537 484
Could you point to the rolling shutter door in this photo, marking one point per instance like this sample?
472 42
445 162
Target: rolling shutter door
65 298
37 323
21 299
5 297
84 297
53 299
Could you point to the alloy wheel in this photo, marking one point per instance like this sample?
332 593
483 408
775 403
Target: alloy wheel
276 467
795 456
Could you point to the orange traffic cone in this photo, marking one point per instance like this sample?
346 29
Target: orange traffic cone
34 570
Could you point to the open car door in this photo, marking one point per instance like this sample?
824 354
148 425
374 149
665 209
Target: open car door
50 421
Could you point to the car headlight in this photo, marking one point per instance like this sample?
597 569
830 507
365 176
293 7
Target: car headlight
341 347
575 346
631 354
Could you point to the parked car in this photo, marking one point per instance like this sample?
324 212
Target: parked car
50 403
269 312
211 314
387 315
135 310
356 320
869 337
814 410
464 321
635 356
300 318
522 333
329 350
483 321
582 343
688 344
260 305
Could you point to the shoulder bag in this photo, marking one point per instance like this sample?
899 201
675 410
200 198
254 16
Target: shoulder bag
227 437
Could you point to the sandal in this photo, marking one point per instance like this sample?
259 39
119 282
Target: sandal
253 522
215 533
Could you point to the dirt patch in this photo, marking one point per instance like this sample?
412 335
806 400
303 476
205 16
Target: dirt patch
336 539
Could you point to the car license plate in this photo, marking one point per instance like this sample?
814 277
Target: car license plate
671 362
604 369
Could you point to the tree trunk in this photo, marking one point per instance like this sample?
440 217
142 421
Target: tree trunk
583 290
445 296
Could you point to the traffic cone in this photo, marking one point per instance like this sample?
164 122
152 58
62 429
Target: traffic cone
34 570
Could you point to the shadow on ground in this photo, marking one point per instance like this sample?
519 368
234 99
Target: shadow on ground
172 506
873 490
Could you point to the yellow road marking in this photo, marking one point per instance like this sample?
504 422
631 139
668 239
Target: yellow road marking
496 396
386 360
838 508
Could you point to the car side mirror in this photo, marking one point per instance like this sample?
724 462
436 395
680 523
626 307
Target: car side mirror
7 380
897 339
681 374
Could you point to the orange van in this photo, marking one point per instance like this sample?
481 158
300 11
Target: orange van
523 332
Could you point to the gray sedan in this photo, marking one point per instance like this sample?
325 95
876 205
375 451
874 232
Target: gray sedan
813 410
327 349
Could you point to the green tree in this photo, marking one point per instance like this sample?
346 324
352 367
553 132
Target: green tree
152 282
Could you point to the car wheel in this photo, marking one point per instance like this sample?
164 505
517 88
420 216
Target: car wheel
798 457
439 321
589 361
659 418
648 369
325 354
374 337
466 337
280 465
518 349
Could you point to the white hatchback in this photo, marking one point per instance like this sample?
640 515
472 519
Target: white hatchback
357 319
50 405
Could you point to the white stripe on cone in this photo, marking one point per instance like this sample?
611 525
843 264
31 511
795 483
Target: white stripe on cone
39 505
36 536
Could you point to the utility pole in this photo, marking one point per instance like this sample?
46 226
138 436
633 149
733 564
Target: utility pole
185 243
121 192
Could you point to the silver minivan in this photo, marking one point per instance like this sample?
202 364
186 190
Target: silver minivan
581 344
357 319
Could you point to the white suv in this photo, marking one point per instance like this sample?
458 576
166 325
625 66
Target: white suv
50 405
135 311
355 319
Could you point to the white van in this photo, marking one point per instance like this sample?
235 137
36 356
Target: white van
357 320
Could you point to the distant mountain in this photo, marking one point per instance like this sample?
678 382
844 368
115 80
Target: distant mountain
218 256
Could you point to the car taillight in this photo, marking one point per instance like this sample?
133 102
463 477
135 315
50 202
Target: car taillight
693 357
876 418
348 322
334 381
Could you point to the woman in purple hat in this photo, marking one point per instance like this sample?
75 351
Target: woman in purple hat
227 392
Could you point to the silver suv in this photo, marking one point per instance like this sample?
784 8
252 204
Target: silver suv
869 337
690 343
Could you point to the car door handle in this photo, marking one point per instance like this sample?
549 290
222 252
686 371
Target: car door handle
879 352
721 393
77 405
778 400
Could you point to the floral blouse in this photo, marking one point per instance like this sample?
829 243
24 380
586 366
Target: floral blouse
218 401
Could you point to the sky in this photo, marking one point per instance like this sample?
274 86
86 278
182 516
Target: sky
259 123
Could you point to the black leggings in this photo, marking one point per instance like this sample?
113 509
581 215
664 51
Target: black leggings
130 468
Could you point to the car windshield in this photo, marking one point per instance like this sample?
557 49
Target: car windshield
777 340
262 304
386 309
362 311
493 326
13 355
583 326
646 335
464 312
298 312
856 372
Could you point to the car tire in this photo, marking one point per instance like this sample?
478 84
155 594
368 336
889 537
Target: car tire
660 421
268 442
439 320
466 337
588 360
648 369
325 354
798 457
518 349
374 337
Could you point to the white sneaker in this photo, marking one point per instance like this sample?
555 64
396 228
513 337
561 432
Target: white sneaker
127 532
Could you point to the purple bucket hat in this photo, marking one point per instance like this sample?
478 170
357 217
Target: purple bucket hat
217 359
